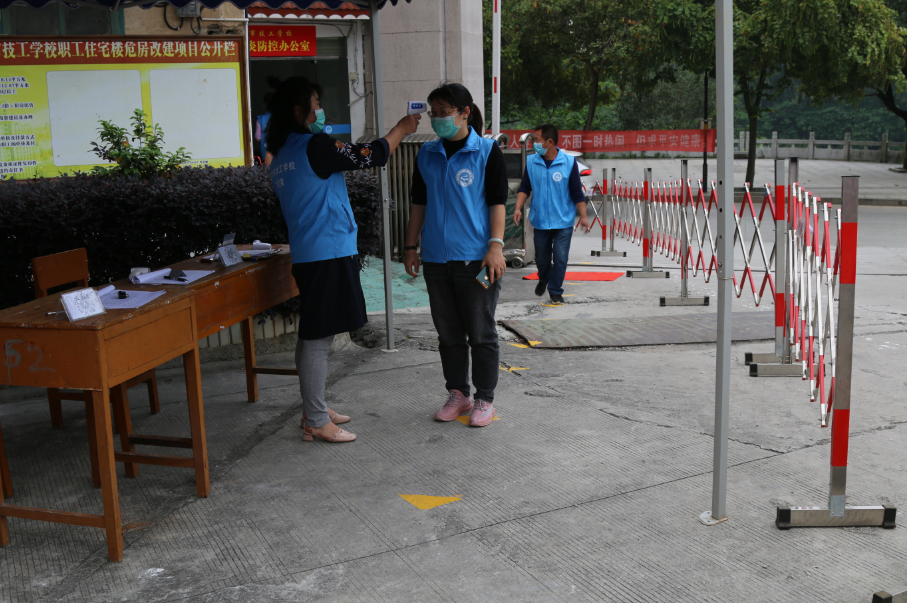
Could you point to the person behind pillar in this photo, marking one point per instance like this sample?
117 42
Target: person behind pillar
459 194
261 127
552 177
307 172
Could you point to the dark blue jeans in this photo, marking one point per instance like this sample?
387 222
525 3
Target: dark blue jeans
554 242
463 313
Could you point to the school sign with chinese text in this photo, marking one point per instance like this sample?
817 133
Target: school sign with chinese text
628 141
282 41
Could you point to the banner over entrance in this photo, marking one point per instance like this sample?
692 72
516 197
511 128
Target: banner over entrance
282 41
629 141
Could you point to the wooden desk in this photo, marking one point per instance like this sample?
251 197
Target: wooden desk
236 294
99 354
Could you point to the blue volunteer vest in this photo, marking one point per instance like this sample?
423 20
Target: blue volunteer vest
457 226
263 122
552 207
318 212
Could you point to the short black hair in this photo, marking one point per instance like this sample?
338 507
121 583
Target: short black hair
549 132
290 93
458 96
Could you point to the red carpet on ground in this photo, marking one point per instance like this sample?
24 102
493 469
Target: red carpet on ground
582 276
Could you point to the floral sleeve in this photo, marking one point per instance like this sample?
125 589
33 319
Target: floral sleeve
328 155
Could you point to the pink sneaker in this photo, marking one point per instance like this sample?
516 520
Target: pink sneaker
457 404
482 414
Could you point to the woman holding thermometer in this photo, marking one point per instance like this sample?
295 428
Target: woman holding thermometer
458 211
307 173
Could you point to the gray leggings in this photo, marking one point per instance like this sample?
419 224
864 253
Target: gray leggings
312 365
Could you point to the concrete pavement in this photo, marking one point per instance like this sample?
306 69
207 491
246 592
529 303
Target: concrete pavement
587 488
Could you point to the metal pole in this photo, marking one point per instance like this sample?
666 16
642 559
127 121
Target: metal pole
496 69
724 52
684 242
648 263
382 175
780 257
840 419
248 81
705 125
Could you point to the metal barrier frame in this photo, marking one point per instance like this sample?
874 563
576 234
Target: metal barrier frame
648 250
684 299
837 513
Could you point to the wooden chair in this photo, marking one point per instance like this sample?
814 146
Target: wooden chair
72 267
6 483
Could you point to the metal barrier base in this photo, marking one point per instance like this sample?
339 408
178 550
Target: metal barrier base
820 517
776 370
684 301
652 274
883 597
754 358
609 254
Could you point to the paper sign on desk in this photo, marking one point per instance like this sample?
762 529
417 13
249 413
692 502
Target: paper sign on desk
229 255
83 303
110 298
159 277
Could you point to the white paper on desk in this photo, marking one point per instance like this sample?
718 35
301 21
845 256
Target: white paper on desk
110 298
258 253
141 279
191 277
259 245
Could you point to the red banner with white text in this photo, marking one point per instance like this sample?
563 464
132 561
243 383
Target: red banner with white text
628 141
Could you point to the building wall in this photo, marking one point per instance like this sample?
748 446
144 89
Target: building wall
141 22
425 44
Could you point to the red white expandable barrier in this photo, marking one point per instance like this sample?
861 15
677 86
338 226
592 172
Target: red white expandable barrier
811 258
605 214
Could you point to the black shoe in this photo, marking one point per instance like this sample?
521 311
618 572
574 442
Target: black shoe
557 299
540 288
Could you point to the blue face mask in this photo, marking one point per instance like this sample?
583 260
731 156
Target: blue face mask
318 125
539 149
445 127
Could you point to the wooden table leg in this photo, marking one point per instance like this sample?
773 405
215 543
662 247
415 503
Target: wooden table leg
102 427
248 342
152 393
56 408
123 419
197 422
92 442
6 483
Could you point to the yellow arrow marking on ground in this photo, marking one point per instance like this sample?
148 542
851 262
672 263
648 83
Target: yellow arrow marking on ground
552 305
524 346
569 295
515 368
424 503
465 420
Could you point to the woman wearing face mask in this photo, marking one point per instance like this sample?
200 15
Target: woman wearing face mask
459 195
306 171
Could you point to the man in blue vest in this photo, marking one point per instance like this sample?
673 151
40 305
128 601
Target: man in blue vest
552 177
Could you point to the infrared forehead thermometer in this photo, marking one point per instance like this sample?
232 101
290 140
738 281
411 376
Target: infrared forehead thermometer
414 107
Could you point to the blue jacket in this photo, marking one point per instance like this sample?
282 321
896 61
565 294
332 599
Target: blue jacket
318 212
552 206
263 124
457 225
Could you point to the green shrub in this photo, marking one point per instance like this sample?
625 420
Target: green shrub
127 221
144 158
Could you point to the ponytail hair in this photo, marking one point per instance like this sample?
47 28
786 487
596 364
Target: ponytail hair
289 94
458 96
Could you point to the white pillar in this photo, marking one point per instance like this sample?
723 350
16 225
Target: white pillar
496 69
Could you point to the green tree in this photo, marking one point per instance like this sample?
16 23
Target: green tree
890 91
834 48
560 53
